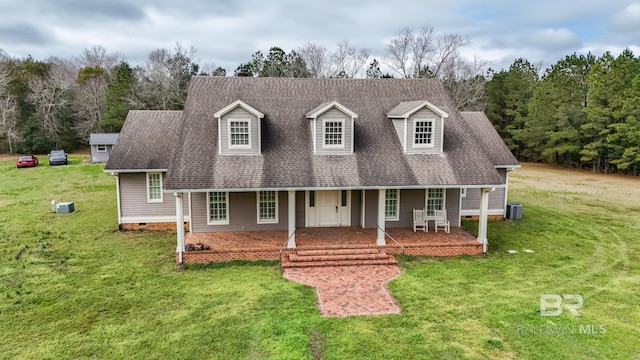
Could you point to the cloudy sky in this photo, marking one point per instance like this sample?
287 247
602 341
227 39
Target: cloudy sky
227 32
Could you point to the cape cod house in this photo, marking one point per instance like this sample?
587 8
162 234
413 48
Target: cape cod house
280 154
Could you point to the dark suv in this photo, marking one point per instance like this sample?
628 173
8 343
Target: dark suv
57 157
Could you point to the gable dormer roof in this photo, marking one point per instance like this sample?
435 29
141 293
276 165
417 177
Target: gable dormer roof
406 109
238 103
322 108
287 160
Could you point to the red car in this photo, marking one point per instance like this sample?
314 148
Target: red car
27 161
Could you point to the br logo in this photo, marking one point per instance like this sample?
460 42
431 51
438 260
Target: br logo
554 304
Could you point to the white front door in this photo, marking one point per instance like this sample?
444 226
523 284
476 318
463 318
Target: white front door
327 208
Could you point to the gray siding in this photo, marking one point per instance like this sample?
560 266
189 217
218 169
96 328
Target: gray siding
243 213
356 206
223 126
333 114
409 200
503 174
300 209
100 156
371 209
133 200
452 204
425 114
472 201
398 124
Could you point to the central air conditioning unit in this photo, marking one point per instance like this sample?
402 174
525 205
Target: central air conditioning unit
65 208
514 211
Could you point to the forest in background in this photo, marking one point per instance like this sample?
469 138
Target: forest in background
581 112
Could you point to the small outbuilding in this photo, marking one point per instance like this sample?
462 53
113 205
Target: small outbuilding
101 145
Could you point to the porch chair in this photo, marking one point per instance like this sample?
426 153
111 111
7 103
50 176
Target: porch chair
441 221
420 220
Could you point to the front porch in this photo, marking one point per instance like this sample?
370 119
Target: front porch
266 245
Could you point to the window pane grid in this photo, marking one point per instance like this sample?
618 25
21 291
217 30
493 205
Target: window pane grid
423 132
217 206
239 131
333 133
435 201
391 204
268 205
155 187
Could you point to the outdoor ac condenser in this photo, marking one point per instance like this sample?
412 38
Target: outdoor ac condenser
65 208
514 211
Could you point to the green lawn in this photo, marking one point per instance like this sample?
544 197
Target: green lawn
73 287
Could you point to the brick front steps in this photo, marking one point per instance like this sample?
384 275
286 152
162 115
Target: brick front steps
339 256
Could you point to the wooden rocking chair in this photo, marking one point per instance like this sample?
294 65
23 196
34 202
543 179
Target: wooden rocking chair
420 221
441 221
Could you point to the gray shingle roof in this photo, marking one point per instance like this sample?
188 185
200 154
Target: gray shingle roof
103 138
489 139
287 159
146 140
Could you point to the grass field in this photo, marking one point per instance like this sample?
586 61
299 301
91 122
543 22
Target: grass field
71 287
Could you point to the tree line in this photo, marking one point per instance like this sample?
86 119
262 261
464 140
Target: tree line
581 112
57 103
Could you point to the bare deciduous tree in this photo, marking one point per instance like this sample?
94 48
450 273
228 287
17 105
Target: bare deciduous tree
446 53
97 56
422 54
9 119
347 61
89 100
407 54
164 78
51 97
315 58
465 81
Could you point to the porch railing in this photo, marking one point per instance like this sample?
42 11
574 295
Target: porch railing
395 241
284 246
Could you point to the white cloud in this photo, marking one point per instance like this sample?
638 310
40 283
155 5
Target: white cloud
228 32
627 20
552 40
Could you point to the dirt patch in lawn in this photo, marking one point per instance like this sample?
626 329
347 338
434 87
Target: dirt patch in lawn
613 188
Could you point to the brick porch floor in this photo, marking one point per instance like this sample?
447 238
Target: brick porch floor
265 245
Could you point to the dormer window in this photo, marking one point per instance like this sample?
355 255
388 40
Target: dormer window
332 129
333 134
419 126
239 134
239 129
423 133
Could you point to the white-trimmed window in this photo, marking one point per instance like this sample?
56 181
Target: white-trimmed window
267 207
391 204
423 133
435 201
333 134
239 134
218 208
101 148
154 187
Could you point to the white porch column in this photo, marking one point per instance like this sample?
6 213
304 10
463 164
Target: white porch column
482 221
179 225
381 222
292 219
